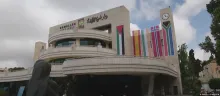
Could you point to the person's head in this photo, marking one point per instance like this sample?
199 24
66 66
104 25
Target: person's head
41 69
39 81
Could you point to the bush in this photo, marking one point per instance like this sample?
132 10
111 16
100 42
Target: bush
214 83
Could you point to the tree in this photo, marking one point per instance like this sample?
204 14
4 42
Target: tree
217 55
183 61
214 83
208 46
212 6
190 68
194 69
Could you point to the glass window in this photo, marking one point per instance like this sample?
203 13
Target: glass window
65 43
91 42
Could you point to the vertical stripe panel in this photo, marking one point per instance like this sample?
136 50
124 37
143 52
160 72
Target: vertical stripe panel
118 46
122 40
120 43
168 42
154 44
149 40
143 43
171 41
156 40
139 42
162 42
165 42
159 43
134 43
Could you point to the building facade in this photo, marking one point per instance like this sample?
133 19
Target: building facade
210 71
100 47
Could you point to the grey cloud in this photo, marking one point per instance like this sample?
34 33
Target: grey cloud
18 27
89 6
22 22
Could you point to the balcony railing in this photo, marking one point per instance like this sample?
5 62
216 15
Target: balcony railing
81 33
119 64
82 51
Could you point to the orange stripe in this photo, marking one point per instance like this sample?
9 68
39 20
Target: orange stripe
136 40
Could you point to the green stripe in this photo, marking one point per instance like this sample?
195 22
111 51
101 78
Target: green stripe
168 41
143 42
118 47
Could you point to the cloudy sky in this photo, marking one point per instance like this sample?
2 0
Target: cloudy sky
23 22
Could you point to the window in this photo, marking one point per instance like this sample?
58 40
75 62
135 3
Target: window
91 42
65 43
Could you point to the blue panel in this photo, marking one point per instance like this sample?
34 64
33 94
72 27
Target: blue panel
21 90
171 41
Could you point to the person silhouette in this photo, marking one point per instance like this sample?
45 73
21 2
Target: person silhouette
39 83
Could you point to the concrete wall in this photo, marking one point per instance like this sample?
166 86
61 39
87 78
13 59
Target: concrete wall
172 59
116 16
39 46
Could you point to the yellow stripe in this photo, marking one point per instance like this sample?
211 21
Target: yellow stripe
137 49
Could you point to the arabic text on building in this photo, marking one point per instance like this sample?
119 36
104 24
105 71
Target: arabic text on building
97 18
67 27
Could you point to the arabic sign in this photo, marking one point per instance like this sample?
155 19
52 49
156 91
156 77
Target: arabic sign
68 26
97 18
81 23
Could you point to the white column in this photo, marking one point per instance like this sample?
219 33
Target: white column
107 44
77 42
151 85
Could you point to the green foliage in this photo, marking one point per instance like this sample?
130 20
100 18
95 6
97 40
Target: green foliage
187 70
208 46
212 6
214 83
183 60
218 52
190 68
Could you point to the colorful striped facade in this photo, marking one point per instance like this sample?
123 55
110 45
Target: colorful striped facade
120 40
156 43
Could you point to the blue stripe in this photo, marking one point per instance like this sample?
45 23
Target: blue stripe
171 41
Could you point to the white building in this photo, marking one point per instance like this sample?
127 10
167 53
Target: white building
83 48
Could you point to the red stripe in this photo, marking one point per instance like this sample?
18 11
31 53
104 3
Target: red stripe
165 42
134 43
154 44
159 43
139 42
119 28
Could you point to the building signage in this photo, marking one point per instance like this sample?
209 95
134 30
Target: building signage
68 26
97 18
81 23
